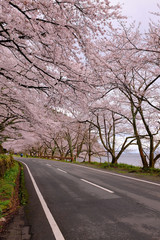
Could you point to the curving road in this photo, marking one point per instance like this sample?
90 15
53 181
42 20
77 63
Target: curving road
73 202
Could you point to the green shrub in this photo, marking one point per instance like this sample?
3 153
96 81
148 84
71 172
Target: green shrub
7 187
105 165
6 162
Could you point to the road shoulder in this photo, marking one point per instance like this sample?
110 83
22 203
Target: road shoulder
17 229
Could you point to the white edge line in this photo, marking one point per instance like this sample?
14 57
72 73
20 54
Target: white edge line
55 229
61 170
105 189
115 174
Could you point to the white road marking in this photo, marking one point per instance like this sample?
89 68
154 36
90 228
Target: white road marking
105 189
55 229
48 165
61 170
115 174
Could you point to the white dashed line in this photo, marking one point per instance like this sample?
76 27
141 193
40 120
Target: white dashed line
105 189
61 170
48 165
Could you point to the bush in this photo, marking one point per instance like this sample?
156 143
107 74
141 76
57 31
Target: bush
6 162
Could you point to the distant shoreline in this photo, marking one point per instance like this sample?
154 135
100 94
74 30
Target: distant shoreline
130 158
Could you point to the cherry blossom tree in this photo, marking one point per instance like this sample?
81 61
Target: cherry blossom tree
107 118
133 72
123 63
46 38
43 46
59 57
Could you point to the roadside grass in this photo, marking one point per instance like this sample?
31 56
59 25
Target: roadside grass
12 181
124 168
7 186
13 192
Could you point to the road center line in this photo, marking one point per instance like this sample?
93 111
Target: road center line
55 229
61 170
48 165
105 189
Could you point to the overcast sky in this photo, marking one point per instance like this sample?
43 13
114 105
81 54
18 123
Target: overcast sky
139 10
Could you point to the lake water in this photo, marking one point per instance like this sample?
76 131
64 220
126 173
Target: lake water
130 158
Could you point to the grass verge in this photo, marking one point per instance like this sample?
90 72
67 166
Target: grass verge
12 193
125 168
7 187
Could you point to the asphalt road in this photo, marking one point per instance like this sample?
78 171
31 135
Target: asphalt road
80 203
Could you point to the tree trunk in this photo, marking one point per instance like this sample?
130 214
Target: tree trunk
140 148
151 146
114 160
89 144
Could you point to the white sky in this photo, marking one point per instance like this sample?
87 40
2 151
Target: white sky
139 10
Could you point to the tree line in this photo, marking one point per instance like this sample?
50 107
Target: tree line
72 82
